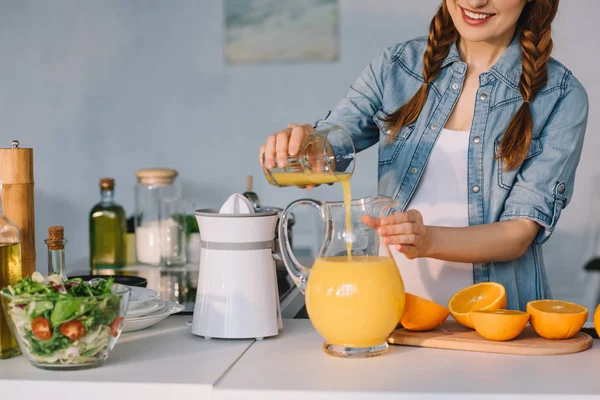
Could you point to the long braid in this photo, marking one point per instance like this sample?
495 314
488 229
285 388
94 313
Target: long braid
536 47
441 35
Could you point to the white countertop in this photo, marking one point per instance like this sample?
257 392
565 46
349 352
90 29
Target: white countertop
293 365
168 362
162 362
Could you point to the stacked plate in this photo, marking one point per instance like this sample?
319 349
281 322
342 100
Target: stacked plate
146 309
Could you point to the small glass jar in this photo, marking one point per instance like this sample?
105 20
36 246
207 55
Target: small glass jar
154 187
326 156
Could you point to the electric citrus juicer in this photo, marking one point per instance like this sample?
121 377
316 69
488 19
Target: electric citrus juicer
354 291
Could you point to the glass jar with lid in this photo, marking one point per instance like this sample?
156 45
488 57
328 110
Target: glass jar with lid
155 186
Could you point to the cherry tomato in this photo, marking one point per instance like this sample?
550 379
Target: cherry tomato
115 326
74 329
41 328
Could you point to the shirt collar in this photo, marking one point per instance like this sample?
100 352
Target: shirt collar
507 68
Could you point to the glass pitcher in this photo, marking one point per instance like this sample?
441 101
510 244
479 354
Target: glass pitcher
354 291
325 156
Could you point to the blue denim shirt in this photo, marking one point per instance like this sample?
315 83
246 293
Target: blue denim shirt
539 190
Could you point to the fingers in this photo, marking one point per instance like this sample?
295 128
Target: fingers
281 147
410 216
298 134
371 222
404 231
261 154
269 151
404 228
401 239
408 250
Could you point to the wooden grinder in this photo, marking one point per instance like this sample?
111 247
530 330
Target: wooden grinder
16 173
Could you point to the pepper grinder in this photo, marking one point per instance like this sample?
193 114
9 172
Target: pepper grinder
16 173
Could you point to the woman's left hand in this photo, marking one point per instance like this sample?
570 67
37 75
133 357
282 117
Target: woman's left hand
405 231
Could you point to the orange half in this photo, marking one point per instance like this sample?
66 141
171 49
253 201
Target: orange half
421 314
481 296
556 319
499 325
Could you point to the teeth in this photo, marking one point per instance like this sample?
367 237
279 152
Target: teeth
476 16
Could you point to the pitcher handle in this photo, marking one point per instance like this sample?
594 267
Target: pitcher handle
297 271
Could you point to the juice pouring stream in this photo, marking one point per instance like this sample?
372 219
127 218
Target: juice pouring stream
325 157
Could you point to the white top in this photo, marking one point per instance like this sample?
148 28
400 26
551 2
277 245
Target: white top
441 198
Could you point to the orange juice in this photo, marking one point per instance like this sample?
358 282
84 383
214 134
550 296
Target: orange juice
357 302
319 178
303 179
348 205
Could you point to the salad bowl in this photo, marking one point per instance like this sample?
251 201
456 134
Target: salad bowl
65 325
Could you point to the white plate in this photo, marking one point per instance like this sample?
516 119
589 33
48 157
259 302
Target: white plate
136 324
147 308
139 296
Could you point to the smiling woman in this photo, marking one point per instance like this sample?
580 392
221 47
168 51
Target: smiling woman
480 134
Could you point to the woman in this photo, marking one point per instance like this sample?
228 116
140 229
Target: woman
480 132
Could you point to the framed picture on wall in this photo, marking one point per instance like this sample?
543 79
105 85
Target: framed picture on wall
281 31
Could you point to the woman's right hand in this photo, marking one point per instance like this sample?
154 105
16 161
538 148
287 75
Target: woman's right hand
283 143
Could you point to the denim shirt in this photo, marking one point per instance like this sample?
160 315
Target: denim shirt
538 190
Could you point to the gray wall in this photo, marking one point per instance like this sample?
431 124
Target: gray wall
102 88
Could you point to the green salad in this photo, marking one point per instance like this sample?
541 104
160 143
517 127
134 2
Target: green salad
64 322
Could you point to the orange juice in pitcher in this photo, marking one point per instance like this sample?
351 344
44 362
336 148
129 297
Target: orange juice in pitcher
354 293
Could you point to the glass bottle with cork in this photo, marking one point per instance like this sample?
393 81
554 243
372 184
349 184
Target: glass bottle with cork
108 227
11 270
56 251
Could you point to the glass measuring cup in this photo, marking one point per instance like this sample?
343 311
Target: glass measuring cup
325 156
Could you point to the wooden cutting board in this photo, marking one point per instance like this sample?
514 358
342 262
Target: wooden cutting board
453 336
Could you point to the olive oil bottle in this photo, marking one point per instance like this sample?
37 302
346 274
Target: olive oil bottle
11 270
108 227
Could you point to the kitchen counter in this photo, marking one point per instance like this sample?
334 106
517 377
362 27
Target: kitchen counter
162 362
294 366
167 361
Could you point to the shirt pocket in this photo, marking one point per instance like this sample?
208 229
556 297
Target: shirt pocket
506 178
388 151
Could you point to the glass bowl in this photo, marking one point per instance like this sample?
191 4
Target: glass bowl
59 332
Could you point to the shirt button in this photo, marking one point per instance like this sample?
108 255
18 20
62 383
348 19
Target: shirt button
414 170
433 126
561 188
389 131
476 139
455 86
483 97
475 189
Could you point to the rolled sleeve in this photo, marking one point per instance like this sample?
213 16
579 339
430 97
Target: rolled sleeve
544 184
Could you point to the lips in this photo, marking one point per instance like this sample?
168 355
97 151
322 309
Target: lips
475 18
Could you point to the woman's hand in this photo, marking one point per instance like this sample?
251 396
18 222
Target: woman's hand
283 143
405 231
493 242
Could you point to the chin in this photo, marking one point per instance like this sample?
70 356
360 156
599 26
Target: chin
469 35
475 34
